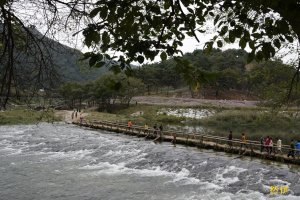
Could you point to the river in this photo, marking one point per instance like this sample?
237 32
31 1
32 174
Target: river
59 161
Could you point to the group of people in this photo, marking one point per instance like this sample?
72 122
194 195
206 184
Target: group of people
268 145
294 145
266 142
157 130
75 114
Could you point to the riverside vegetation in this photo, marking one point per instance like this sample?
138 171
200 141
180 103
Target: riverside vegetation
26 116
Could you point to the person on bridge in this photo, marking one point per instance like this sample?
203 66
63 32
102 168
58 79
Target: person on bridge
146 128
129 124
292 150
230 139
81 118
278 144
270 146
243 141
174 139
161 131
267 143
297 147
262 143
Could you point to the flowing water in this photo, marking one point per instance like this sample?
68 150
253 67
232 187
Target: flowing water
61 161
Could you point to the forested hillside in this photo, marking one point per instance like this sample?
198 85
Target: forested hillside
219 74
55 61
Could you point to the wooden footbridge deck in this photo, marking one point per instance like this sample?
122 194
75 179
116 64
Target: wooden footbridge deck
252 148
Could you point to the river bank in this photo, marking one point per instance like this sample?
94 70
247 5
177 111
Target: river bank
27 116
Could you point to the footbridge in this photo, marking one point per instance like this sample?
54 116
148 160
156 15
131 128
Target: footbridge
251 148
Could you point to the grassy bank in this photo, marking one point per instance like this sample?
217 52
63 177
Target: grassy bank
25 116
139 114
255 124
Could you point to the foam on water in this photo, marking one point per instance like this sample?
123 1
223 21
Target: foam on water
75 155
189 112
90 158
181 178
235 171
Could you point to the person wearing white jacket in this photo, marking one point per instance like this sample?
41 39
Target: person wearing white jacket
279 145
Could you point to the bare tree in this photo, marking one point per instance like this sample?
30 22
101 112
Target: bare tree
26 61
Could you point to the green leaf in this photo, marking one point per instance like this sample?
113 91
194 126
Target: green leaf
251 44
95 58
289 38
140 59
259 56
268 50
93 61
94 12
224 30
163 56
242 43
105 38
216 19
256 35
277 43
219 43
232 23
103 12
167 4
231 36
208 47
91 36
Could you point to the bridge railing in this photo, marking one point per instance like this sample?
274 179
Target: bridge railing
250 145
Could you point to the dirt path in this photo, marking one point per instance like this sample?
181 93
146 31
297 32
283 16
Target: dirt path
158 100
66 115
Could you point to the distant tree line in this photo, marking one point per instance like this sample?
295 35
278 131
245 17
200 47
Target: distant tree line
201 72
106 92
220 71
